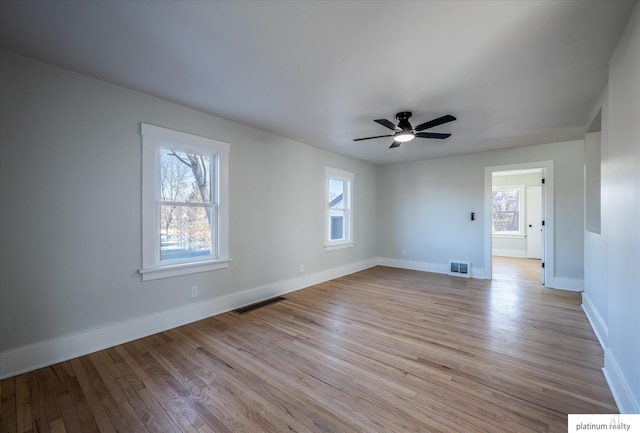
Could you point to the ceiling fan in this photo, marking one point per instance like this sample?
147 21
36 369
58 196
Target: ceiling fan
405 132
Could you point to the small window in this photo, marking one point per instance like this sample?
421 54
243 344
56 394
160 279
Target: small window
185 203
338 193
507 210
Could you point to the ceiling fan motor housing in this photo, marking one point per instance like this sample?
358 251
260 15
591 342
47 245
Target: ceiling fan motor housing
403 121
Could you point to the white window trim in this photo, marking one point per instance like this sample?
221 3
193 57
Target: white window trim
347 177
154 137
509 235
521 233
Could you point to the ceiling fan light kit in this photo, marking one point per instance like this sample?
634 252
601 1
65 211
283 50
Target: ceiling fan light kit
404 132
403 137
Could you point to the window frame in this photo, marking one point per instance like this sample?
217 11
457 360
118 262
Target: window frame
347 177
521 233
212 204
154 138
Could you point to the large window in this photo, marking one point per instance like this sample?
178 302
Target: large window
187 205
184 203
339 218
507 210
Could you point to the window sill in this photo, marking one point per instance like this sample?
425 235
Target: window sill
331 247
509 236
183 269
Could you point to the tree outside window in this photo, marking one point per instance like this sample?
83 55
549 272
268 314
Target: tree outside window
506 205
186 205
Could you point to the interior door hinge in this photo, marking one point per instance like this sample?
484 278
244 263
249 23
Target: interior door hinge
543 264
543 180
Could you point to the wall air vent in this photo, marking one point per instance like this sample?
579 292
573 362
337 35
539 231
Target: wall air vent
459 268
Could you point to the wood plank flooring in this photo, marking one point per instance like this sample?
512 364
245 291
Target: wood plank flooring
517 269
382 350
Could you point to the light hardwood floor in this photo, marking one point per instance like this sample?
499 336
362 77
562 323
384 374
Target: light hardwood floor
383 350
516 269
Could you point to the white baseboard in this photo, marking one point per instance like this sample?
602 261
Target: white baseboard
619 386
595 319
44 353
571 284
437 268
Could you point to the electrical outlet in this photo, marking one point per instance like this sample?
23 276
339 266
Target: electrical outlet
301 268
194 291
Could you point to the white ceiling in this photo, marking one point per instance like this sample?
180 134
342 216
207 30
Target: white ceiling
514 73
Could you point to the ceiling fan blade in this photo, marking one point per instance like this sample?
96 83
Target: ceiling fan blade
386 123
369 138
432 135
435 122
395 144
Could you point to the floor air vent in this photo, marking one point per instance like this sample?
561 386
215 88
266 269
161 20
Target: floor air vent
460 269
252 307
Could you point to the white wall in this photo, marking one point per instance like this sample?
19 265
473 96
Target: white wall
593 181
425 206
595 297
70 188
613 302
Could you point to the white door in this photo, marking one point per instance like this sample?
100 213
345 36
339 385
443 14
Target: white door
534 222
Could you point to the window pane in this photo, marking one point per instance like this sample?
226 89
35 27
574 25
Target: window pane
185 177
336 224
185 232
506 210
336 193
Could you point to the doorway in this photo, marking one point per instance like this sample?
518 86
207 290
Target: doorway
519 206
